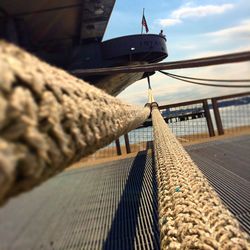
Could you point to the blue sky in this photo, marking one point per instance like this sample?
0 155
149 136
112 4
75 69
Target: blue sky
193 29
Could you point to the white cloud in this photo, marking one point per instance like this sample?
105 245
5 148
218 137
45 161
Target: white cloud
196 11
169 22
203 50
184 46
200 11
240 31
208 53
167 90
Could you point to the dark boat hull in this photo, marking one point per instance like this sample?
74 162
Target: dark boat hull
121 51
69 34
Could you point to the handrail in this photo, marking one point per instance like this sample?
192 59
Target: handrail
191 63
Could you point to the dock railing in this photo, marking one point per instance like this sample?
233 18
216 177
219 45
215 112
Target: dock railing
190 121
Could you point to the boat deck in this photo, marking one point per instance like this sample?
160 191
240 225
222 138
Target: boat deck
114 205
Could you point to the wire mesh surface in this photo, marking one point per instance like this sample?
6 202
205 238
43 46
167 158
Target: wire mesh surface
110 206
226 164
114 205
235 113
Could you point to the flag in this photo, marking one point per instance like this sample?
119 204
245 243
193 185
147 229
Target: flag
144 23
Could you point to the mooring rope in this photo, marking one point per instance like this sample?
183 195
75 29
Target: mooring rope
205 84
50 119
191 215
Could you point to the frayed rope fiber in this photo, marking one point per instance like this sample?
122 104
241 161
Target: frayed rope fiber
191 215
49 119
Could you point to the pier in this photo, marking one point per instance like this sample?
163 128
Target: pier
159 196
113 205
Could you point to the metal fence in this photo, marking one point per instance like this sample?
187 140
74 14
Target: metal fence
189 121
135 141
232 113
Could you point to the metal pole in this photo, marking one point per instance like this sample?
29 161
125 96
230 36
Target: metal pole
149 84
208 118
127 144
217 117
118 147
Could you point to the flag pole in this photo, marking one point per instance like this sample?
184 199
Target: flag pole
141 21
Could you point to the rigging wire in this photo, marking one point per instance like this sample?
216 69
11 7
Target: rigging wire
206 84
149 84
208 80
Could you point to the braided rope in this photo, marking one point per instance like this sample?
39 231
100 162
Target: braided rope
191 214
50 119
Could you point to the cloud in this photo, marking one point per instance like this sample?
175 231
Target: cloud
209 53
240 31
185 12
200 11
167 90
169 22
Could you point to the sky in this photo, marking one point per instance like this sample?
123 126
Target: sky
193 29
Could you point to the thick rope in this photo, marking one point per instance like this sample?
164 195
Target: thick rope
191 215
50 119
